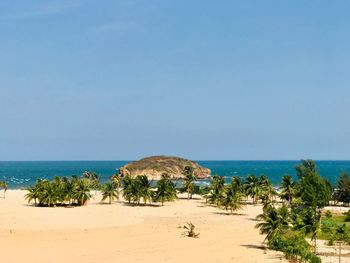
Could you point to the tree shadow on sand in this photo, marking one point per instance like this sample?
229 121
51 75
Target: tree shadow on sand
260 247
265 249
224 213
253 219
140 205
185 198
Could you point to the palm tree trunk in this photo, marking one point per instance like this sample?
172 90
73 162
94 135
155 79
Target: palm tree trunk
315 244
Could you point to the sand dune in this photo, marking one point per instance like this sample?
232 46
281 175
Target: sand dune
122 233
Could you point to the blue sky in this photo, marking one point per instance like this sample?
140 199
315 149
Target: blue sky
108 80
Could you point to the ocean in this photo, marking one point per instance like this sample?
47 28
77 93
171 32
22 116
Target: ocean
22 174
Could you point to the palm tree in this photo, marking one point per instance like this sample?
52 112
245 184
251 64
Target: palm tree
128 188
117 180
309 223
273 221
231 197
3 185
48 194
216 190
144 188
166 190
82 191
268 191
237 181
287 188
252 187
33 194
263 180
189 181
93 179
110 191
68 190
58 187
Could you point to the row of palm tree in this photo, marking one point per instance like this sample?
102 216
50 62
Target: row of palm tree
139 189
258 188
227 196
60 191
69 191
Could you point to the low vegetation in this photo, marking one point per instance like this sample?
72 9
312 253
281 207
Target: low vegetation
289 227
292 220
190 230
3 185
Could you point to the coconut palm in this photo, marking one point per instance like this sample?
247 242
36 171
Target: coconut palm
93 179
33 194
82 191
110 191
68 187
116 180
268 191
309 223
128 188
48 194
231 197
3 185
58 187
273 220
287 188
166 190
237 182
189 181
263 180
252 187
216 190
144 188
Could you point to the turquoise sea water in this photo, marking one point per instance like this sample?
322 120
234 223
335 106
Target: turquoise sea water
22 174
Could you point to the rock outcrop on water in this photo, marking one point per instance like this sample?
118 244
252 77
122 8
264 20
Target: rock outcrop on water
153 167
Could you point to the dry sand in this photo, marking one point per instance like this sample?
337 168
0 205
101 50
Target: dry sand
122 233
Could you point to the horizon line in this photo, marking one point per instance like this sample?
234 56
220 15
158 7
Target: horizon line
198 160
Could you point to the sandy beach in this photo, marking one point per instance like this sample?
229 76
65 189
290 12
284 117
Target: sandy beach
121 233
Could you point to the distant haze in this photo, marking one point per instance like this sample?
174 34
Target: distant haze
205 80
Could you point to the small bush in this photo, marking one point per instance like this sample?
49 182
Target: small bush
330 242
190 232
294 246
328 214
347 217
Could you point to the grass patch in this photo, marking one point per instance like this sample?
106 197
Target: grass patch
329 224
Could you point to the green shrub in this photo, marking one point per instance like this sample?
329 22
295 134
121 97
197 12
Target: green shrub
328 214
294 246
331 242
347 217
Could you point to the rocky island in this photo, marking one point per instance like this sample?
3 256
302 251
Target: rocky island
153 167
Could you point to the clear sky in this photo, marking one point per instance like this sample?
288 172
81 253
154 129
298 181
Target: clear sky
119 80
